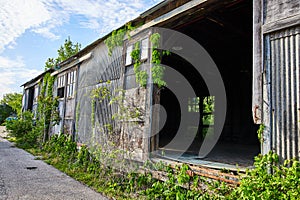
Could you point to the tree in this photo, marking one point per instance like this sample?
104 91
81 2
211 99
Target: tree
14 100
47 105
65 51
5 111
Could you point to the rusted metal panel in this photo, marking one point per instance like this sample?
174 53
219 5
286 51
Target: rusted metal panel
285 90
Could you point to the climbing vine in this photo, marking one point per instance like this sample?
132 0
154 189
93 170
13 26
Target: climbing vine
140 75
47 112
116 38
260 132
157 69
77 117
99 93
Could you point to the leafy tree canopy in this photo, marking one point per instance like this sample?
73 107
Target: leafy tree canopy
65 51
14 100
5 111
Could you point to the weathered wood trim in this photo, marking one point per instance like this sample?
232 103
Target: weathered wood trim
257 62
230 177
76 101
266 143
168 15
33 84
74 63
281 24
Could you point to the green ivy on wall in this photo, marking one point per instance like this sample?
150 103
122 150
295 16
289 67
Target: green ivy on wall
47 106
99 93
140 75
157 69
260 132
117 37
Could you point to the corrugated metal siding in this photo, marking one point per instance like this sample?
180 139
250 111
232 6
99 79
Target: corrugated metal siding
94 73
285 92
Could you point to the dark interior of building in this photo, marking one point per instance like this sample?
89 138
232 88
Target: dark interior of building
226 33
30 98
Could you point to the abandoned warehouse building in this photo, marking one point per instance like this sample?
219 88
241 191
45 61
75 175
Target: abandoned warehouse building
255 46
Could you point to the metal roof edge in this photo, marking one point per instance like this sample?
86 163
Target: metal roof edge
37 77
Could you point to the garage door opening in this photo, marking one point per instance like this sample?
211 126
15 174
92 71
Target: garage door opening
226 34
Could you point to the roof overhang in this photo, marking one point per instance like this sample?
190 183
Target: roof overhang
36 79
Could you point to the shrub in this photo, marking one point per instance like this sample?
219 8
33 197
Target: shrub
61 145
27 135
20 127
270 180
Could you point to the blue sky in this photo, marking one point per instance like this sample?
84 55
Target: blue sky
32 30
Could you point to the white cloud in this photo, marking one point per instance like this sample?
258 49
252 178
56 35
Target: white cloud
91 24
44 16
13 74
103 15
17 16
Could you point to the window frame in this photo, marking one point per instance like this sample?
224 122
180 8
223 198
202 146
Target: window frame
146 49
128 58
71 77
61 84
144 57
36 92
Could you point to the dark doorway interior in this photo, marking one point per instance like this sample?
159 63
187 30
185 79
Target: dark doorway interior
30 98
226 34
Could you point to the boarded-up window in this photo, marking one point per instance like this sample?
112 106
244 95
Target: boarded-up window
61 86
71 77
130 81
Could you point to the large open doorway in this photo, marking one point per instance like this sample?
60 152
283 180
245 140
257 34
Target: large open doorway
226 33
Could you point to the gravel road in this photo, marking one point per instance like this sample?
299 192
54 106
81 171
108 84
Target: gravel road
22 177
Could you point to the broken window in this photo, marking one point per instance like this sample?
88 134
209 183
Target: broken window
61 86
144 49
30 95
128 60
35 100
71 77
35 93
130 79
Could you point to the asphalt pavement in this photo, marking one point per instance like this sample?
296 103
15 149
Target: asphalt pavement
24 177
